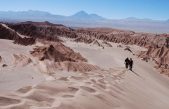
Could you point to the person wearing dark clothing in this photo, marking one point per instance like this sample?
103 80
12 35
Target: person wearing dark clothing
127 62
131 64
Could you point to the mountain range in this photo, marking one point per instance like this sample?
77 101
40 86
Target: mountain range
83 19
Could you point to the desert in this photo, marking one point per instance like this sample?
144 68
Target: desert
52 66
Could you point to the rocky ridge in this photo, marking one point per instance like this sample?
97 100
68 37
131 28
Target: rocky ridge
155 43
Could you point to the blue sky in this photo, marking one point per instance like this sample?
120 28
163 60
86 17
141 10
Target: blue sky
115 9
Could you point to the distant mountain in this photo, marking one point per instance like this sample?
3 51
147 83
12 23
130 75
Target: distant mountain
167 21
27 15
83 19
43 16
82 15
137 19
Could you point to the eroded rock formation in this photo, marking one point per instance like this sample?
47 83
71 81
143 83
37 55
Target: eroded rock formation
7 34
12 35
0 59
155 43
58 57
57 52
43 30
46 31
160 55
21 60
124 37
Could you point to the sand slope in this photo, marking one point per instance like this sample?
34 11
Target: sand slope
18 72
111 87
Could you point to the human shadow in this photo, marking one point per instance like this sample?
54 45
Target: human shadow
136 73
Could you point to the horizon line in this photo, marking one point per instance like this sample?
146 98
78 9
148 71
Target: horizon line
132 17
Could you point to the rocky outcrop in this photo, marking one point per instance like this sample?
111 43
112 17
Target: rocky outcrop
124 37
97 43
59 57
4 65
12 35
25 41
89 35
7 34
57 53
49 53
155 43
43 30
85 39
107 44
158 54
128 49
0 59
21 60
52 32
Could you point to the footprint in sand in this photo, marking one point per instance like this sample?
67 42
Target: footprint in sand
68 96
25 89
88 83
4 101
63 79
73 89
88 89
101 81
103 86
39 97
77 78
93 80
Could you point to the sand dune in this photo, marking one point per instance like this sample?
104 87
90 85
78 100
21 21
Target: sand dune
19 70
110 86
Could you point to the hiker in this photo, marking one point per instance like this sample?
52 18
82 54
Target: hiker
131 64
127 62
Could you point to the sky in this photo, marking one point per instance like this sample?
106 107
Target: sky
113 9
